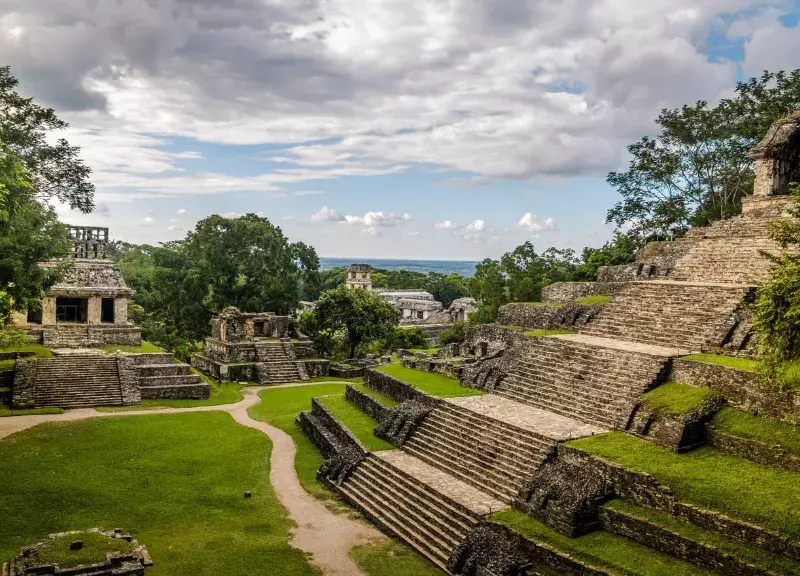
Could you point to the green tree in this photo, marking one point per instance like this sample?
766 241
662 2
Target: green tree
54 167
488 287
696 169
621 250
358 316
29 234
446 288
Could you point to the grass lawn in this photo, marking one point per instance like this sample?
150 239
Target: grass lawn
392 559
600 549
382 398
767 430
673 399
424 350
710 478
550 332
332 379
356 421
176 482
7 411
594 300
749 553
279 407
95 548
745 364
145 348
433 384
38 350
225 393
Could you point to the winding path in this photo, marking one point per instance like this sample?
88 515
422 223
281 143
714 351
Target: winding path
328 537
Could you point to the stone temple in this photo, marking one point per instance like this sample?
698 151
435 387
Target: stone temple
89 307
521 447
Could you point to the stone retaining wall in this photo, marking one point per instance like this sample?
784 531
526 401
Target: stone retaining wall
565 292
129 381
321 437
366 403
315 368
346 438
392 387
25 384
754 450
170 392
569 316
742 389
442 367
340 371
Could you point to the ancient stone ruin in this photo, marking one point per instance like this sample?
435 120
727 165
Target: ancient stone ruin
458 460
258 347
125 556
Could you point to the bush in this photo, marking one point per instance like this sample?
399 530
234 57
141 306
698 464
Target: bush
486 314
454 335
403 338
9 338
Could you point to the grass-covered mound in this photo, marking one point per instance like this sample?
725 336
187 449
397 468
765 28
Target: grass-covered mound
672 399
175 482
279 407
745 364
550 332
594 300
760 428
38 350
95 547
711 479
382 398
359 423
738 549
392 559
613 553
144 348
430 383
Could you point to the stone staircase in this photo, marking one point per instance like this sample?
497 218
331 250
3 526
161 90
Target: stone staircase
276 363
66 336
583 379
487 453
159 377
77 381
421 505
685 315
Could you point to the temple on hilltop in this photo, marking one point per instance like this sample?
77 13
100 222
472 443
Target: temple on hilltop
89 306
258 347
505 479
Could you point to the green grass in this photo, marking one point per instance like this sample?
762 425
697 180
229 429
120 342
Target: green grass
225 393
175 482
8 365
145 348
512 327
736 548
38 350
335 379
600 549
788 375
745 364
711 479
550 332
6 411
382 398
430 383
392 559
359 423
95 547
279 407
594 300
673 399
760 428
424 350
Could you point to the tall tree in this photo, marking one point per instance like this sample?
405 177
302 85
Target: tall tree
445 288
357 315
55 168
696 169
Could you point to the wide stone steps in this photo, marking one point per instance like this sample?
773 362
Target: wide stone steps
77 382
602 419
145 370
426 520
171 380
680 314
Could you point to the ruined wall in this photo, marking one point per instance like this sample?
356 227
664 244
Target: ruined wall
569 316
565 292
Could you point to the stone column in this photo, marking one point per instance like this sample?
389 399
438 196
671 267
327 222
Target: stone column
93 313
49 310
120 311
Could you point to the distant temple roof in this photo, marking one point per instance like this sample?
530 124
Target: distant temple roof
360 268
88 242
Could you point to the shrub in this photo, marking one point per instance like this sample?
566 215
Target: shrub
9 338
486 314
454 335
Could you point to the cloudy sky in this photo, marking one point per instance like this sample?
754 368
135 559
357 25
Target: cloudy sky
451 129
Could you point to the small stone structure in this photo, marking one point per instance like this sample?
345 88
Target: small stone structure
89 307
777 157
128 563
261 347
461 309
416 307
359 277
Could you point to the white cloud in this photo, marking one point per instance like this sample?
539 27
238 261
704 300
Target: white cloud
288 217
379 219
531 223
371 231
181 211
326 214
471 182
473 232
173 220
446 225
413 234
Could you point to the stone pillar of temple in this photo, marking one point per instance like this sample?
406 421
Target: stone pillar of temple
777 158
49 310
93 314
120 311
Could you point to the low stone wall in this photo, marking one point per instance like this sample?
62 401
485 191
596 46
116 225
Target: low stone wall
128 380
182 392
754 450
303 350
346 438
495 338
366 403
340 371
392 387
24 395
321 437
673 544
742 389
315 368
442 367
565 292
569 316
244 372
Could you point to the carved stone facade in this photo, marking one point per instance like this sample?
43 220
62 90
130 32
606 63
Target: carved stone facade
777 158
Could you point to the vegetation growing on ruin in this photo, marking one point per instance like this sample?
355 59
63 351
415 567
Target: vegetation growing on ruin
94 551
751 554
359 423
430 383
159 476
456 334
37 350
391 558
594 300
770 431
710 478
382 398
746 364
673 399
601 549
144 348
549 332
221 393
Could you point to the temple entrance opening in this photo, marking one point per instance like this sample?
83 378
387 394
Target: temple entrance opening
72 310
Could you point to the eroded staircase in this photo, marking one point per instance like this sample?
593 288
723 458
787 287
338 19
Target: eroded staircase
77 381
276 363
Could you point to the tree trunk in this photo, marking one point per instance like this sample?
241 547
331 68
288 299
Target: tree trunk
353 350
